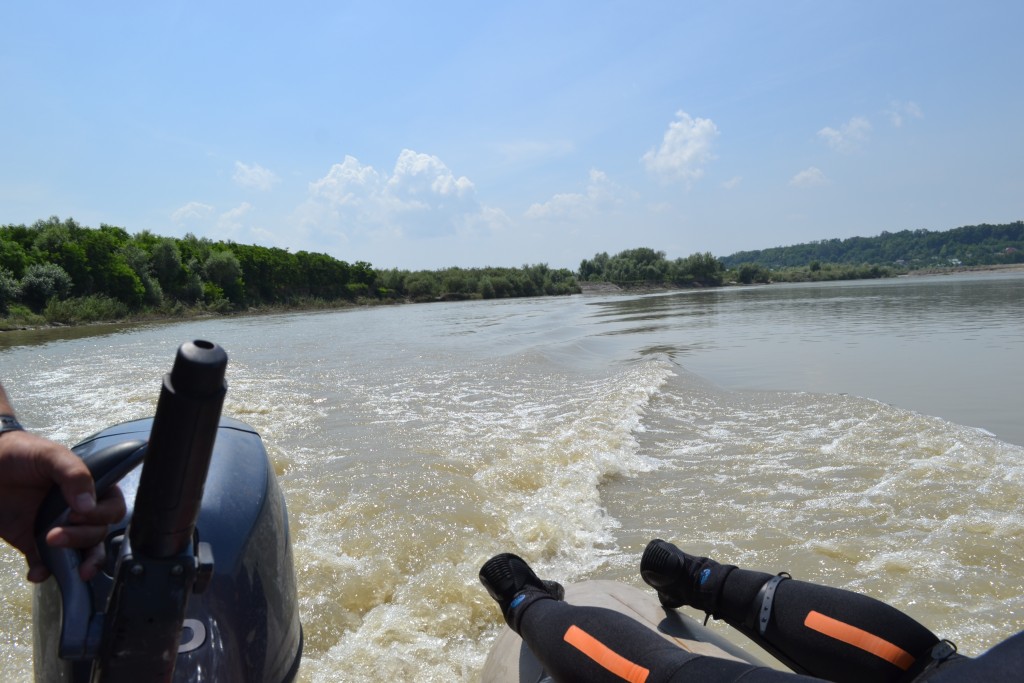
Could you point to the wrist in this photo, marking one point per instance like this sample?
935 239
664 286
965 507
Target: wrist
9 423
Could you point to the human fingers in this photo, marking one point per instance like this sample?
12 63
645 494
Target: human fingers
37 570
93 561
79 536
110 509
73 477
46 462
90 539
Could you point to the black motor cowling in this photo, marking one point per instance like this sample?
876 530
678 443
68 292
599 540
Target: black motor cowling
232 574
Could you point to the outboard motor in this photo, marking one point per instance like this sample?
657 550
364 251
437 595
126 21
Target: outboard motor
199 584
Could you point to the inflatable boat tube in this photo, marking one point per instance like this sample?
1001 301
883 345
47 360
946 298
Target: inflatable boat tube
510 661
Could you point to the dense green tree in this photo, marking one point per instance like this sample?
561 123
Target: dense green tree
58 243
111 273
122 283
422 286
363 272
485 287
165 258
223 270
325 277
455 281
10 289
502 286
43 281
391 283
192 291
750 273
647 266
13 256
700 269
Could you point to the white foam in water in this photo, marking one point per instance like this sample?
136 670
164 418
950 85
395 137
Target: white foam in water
408 460
912 509
467 463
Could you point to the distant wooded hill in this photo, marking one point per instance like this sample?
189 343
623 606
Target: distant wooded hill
971 245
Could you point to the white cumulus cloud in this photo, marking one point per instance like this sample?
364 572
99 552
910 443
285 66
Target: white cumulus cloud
253 177
231 221
417 175
849 136
684 150
809 177
600 193
192 211
421 197
900 112
349 182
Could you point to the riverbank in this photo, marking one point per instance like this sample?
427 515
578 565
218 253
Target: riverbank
1009 267
32 321
36 321
603 288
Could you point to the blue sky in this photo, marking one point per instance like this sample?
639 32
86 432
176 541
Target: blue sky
426 135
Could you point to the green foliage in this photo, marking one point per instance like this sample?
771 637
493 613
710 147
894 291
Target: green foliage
79 274
10 289
13 256
146 272
973 245
324 277
699 269
223 271
751 273
192 292
19 316
149 271
830 272
122 283
43 281
88 309
422 286
357 290
217 304
57 243
645 266
165 261
452 284
213 293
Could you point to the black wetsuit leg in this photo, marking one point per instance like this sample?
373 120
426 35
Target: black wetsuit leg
1004 662
595 645
826 632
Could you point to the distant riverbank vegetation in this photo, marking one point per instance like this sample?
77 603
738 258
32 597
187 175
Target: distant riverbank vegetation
907 250
647 269
59 272
856 258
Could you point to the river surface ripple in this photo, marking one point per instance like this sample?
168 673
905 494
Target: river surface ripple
865 434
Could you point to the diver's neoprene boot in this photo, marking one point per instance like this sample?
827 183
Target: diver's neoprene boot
681 578
513 585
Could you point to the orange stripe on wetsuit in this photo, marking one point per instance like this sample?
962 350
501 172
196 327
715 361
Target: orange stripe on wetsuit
604 656
859 638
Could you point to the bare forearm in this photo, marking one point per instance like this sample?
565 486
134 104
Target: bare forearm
5 403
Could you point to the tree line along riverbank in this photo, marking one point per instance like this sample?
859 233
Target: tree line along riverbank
60 272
